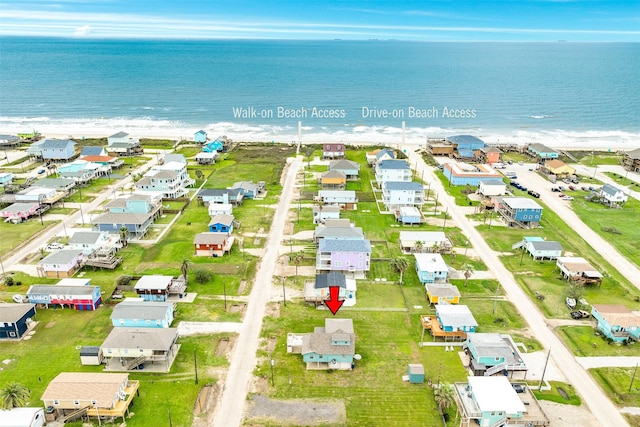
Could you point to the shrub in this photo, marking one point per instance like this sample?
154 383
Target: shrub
8 281
202 276
124 280
18 283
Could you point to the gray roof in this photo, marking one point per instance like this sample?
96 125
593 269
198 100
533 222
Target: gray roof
493 345
54 183
610 189
493 182
90 350
339 245
84 237
541 148
61 290
155 281
490 149
223 219
333 173
464 139
142 310
213 192
121 218
634 154
127 144
315 208
20 207
384 151
323 231
121 202
56 143
9 313
209 238
343 194
403 186
119 135
546 245
175 158
343 164
142 338
455 316
330 279
62 256
443 290
320 341
91 151
246 186
393 164
521 203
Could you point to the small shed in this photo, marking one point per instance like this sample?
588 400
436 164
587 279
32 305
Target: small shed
416 373
91 355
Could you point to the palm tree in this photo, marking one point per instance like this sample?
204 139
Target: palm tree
14 395
124 234
435 247
419 246
444 395
399 265
467 270
296 260
184 269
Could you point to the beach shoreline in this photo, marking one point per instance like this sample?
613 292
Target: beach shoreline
599 140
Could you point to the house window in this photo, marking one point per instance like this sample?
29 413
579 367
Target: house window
76 402
12 334
56 402
122 321
338 263
94 402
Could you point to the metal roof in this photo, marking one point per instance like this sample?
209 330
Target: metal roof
85 237
394 164
142 310
154 281
56 143
330 279
141 338
455 316
62 256
402 186
521 203
340 245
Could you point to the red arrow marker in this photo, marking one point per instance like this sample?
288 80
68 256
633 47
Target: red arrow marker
333 302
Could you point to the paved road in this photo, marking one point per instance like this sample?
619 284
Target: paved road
599 404
563 208
608 361
230 409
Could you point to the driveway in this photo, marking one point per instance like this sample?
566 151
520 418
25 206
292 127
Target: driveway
599 404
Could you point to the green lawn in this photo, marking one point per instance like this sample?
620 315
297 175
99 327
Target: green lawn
589 158
584 342
616 381
554 395
15 234
601 218
459 192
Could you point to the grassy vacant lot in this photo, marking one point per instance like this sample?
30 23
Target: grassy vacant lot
554 395
616 381
459 192
613 225
583 341
15 234
589 158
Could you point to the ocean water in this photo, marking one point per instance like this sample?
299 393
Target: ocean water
562 94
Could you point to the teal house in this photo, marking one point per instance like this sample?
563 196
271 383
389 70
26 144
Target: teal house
490 401
143 314
134 204
200 137
542 152
329 347
617 322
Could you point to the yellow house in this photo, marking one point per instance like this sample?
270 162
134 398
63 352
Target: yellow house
438 293
559 168
334 180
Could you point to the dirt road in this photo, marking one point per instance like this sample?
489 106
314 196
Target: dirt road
601 407
230 409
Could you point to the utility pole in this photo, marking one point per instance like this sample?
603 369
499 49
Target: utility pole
522 256
195 364
544 370
633 377
224 289
272 363
284 295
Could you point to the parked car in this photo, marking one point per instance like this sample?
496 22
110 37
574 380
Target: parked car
568 198
41 171
54 246
579 314
534 194
561 195
584 188
19 299
555 189
561 188
592 188
519 388
572 188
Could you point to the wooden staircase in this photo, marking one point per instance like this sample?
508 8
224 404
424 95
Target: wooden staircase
135 362
81 412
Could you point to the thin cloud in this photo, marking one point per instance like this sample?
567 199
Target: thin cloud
83 31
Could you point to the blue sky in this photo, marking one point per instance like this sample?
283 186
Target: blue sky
435 20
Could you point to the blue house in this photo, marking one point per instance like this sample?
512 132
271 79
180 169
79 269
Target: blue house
318 291
465 145
617 322
77 297
93 151
454 318
221 224
539 248
200 137
409 215
15 319
215 145
492 353
136 224
249 189
5 178
58 149
520 211
330 347
542 152
431 267
135 203
349 168
143 314
154 287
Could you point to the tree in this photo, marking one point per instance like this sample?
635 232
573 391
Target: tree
14 395
184 269
199 175
124 234
445 396
435 248
296 260
419 246
399 265
202 275
467 271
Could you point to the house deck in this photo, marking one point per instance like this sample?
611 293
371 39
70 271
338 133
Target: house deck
122 407
434 326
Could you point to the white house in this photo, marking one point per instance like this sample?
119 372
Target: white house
322 213
492 188
90 241
612 195
169 179
35 194
431 268
392 170
423 241
220 209
344 198
396 194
